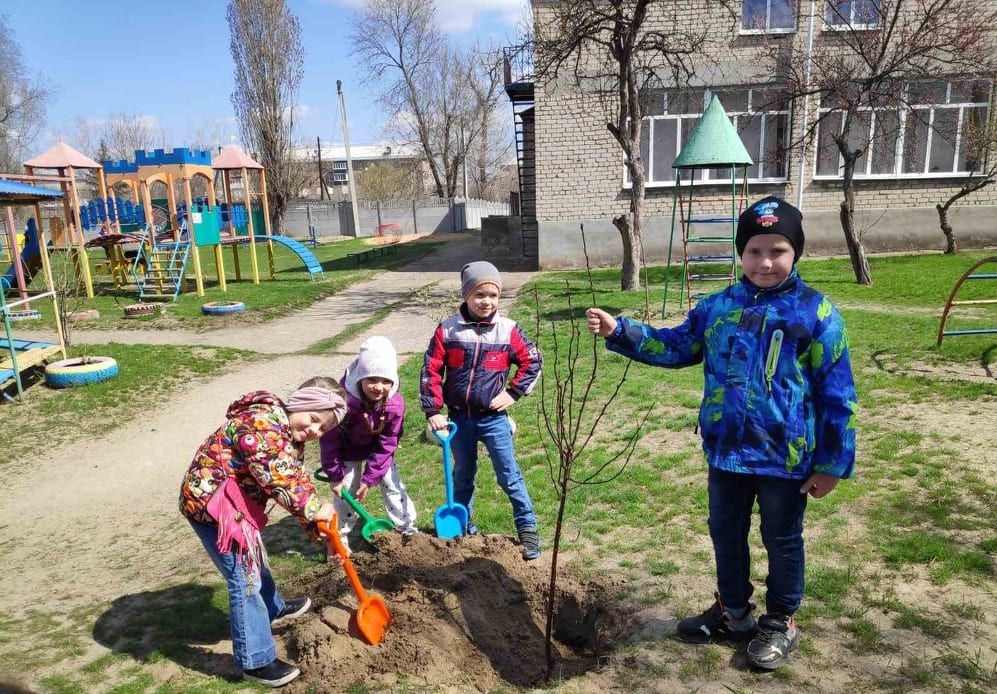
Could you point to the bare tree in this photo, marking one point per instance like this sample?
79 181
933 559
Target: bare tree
265 42
871 59
493 146
613 50
569 417
385 181
979 139
118 136
435 92
23 99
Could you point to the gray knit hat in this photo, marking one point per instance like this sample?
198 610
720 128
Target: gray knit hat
477 273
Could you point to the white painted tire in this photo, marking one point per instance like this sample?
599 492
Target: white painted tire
31 314
221 308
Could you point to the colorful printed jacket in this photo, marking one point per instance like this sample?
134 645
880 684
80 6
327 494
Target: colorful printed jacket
255 446
354 439
467 364
779 397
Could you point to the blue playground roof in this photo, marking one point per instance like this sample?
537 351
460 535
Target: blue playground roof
14 191
159 158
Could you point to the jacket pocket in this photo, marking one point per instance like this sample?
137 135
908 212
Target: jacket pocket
455 357
496 360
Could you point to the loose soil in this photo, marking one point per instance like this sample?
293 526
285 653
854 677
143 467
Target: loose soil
468 612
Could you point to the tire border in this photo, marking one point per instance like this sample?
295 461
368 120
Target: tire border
221 308
68 373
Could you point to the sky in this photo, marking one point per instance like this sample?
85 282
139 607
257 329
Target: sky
169 62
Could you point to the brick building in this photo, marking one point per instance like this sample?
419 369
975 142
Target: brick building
571 170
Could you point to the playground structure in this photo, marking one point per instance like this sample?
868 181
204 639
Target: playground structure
970 274
712 144
21 355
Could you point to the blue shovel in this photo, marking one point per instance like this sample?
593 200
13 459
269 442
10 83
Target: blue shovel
451 517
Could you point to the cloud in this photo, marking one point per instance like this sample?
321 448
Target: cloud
459 16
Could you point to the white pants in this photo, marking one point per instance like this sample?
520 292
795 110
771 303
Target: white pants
397 504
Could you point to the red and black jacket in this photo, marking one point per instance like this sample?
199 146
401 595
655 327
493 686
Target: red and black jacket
468 361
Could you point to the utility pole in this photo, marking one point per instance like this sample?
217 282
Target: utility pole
464 148
323 193
349 160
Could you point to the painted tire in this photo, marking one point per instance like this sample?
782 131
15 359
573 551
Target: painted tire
24 315
89 314
68 373
220 308
139 310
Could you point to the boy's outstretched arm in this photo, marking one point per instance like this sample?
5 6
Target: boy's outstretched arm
669 347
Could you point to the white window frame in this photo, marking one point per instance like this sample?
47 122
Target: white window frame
339 166
850 24
768 18
702 179
339 177
898 154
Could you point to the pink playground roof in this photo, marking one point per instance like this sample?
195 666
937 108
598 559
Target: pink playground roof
61 155
232 157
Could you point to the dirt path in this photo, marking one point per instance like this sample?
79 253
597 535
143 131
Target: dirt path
104 511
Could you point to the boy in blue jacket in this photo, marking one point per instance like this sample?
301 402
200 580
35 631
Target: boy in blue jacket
466 368
777 419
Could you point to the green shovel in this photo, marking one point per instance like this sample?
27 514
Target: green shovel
371 525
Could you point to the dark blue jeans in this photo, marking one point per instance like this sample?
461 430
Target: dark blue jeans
493 431
781 506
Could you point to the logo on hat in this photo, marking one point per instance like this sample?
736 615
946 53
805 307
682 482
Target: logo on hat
766 213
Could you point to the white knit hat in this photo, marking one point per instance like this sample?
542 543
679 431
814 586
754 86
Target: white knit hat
377 358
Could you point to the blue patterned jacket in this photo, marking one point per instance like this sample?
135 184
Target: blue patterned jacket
779 397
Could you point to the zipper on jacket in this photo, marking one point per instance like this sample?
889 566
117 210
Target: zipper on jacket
775 347
474 364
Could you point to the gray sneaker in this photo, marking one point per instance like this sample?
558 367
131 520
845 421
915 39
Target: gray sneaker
529 543
777 636
717 624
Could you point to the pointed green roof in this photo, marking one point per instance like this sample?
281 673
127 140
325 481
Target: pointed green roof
713 142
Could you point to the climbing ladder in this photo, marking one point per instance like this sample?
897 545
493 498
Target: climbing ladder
165 264
708 251
970 274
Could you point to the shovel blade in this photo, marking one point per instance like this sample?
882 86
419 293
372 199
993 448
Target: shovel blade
372 619
377 525
450 521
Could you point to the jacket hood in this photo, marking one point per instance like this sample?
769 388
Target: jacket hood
252 400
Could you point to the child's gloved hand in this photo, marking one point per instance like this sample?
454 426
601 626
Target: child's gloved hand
438 422
361 492
599 322
819 484
502 401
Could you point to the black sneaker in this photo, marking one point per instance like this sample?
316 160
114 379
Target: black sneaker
717 624
777 636
276 674
529 541
292 610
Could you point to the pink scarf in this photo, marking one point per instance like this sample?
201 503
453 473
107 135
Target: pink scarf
240 521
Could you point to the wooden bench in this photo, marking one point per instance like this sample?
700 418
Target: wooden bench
374 252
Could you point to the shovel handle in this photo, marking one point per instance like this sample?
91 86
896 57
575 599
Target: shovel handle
356 506
447 467
337 545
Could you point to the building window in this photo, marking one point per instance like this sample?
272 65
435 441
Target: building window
940 131
760 116
853 14
339 178
768 16
339 166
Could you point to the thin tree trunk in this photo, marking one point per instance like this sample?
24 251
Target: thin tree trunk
860 264
552 587
943 220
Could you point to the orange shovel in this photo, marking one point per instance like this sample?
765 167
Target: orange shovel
372 616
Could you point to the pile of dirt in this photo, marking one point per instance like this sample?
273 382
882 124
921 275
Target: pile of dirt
467 612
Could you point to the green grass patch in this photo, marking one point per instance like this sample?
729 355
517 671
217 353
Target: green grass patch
944 557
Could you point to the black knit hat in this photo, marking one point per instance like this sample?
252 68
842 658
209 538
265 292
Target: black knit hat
771 215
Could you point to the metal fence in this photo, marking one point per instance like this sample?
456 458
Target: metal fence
423 215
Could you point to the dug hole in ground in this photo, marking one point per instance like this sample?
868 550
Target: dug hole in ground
467 612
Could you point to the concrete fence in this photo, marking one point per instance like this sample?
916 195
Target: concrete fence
426 215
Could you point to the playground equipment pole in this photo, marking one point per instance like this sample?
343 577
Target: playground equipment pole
15 257
84 260
198 278
248 197
49 282
266 222
349 160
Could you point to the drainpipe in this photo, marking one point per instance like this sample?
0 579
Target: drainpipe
806 105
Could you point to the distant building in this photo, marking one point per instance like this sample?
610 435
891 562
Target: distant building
364 156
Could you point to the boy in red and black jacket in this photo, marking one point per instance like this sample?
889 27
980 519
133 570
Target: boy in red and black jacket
467 369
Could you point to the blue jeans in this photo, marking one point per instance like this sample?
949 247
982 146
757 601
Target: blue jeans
493 431
781 507
251 605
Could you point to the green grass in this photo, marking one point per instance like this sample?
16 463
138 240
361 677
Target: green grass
292 290
146 373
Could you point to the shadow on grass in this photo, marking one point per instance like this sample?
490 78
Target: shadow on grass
171 623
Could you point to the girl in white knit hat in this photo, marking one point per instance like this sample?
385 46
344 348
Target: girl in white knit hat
360 453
